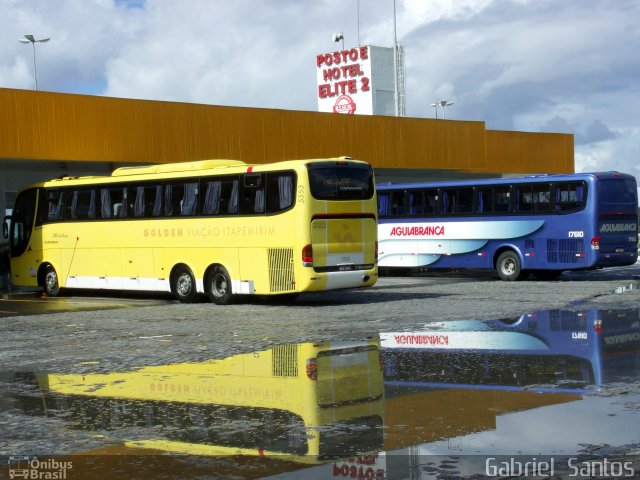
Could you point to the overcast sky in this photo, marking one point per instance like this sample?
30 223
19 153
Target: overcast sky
569 66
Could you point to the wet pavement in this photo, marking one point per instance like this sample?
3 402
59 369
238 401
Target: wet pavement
550 392
436 402
34 302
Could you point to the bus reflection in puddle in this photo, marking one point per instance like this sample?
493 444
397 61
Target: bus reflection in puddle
458 392
301 403
550 350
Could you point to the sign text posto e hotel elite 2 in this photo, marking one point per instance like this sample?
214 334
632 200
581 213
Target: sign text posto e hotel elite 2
344 81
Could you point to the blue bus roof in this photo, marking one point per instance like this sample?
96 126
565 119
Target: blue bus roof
501 181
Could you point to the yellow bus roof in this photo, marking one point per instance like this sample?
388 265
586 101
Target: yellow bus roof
181 169
176 167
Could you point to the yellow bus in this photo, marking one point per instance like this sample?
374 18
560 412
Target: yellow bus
304 402
219 227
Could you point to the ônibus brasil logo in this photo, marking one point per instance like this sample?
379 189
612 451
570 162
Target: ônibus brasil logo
344 104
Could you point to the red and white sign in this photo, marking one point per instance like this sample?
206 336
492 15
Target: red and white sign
344 81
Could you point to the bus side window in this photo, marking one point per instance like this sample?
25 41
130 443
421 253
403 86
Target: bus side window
180 199
189 202
233 198
279 191
542 197
212 197
112 201
139 203
252 199
448 202
431 202
483 200
568 196
416 202
55 200
465 200
82 205
156 204
384 204
524 199
501 199
398 203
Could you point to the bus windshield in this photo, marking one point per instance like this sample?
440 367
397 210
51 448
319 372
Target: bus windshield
618 191
333 181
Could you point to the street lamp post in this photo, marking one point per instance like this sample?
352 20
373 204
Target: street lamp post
441 103
436 105
444 103
31 39
337 37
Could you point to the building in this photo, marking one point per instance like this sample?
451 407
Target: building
47 135
361 81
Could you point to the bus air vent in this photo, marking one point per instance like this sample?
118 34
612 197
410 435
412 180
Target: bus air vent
565 250
285 361
281 276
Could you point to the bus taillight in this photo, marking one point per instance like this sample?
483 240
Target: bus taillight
307 256
312 368
375 253
595 243
597 325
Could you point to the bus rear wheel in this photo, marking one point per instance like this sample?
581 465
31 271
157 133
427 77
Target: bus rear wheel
183 285
508 266
219 286
51 285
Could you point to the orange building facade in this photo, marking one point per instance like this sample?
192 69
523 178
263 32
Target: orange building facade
43 135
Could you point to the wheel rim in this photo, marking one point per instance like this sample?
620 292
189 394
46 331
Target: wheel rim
509 266
51 280
184 285
219 286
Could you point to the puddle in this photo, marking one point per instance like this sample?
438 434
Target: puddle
626 288
405 403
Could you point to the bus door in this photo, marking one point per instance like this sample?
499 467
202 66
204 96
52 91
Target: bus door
24 247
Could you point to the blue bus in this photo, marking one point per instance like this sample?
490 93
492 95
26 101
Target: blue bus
548 351
542 224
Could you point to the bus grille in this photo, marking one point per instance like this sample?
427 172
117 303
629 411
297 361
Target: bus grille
281 278
567 321
565 250
285 361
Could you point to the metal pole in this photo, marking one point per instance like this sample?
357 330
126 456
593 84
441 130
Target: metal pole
395 60
358 7
35 72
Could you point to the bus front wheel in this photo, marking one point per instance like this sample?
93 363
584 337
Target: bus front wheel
508 266
51 285
219 286
183 285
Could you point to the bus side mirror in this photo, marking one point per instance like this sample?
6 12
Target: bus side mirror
5 227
